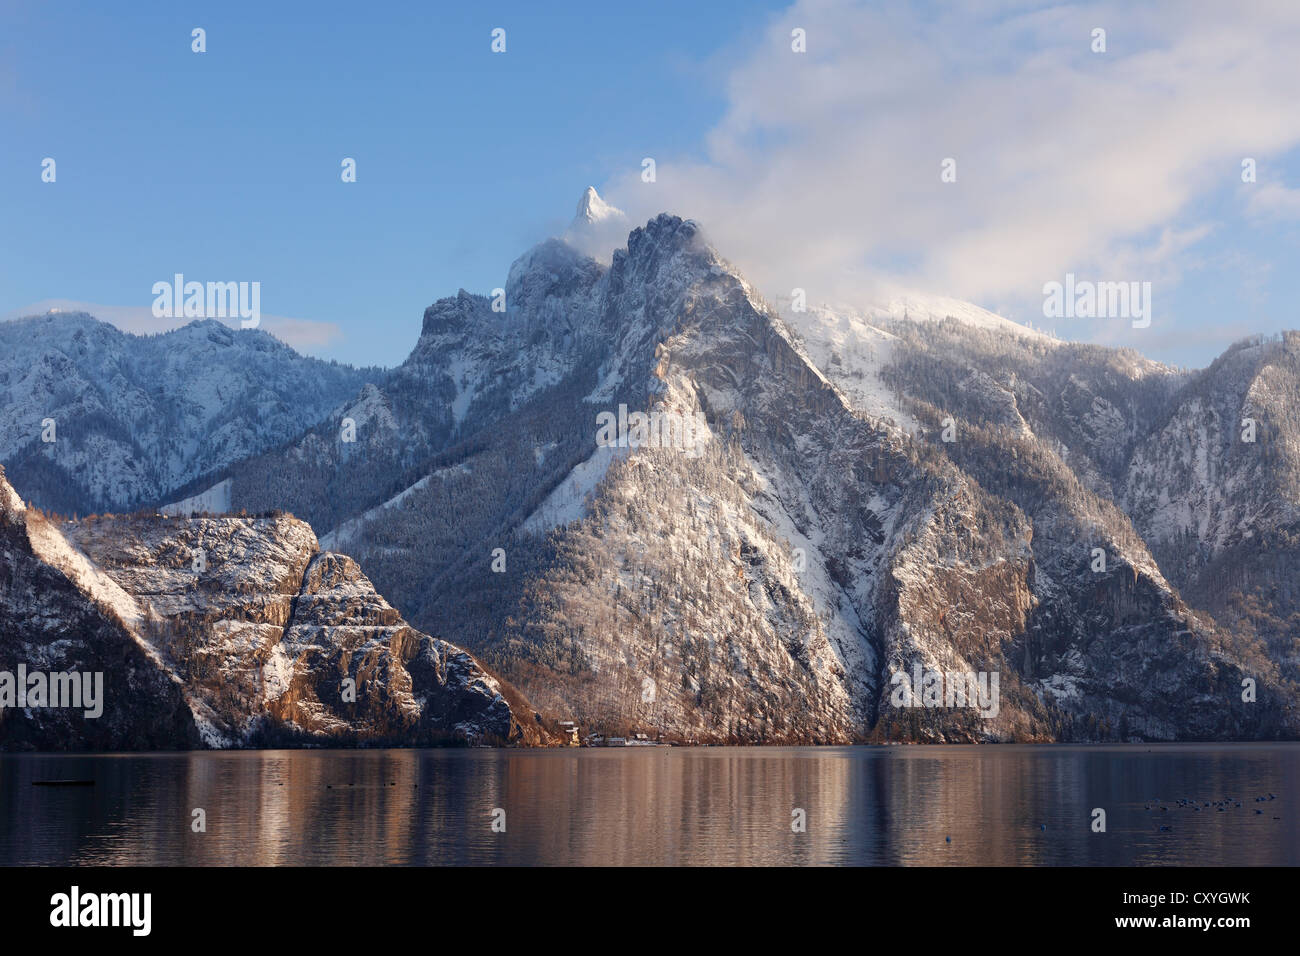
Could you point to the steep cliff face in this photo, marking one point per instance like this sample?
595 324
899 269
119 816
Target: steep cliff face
409 687
58 617
226 632
276 641
1215 488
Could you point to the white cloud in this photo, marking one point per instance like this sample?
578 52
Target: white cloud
1273 201
824 171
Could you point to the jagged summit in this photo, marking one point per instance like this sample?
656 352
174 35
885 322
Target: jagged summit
592 209
597 227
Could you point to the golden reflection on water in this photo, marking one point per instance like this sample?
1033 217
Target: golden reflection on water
1000 806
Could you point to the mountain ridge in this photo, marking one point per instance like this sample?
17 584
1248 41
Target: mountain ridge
870 493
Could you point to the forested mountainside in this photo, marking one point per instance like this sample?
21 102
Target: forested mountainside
822 538
850 497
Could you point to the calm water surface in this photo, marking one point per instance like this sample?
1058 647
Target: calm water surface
661 806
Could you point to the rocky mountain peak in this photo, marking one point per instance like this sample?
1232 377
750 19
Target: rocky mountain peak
592 209
597 227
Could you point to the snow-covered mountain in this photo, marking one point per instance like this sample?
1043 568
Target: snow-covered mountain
597 227
1215 488
592 209
99 419
823 537
907 487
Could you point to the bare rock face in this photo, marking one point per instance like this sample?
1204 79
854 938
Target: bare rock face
55 621
407 686
225 632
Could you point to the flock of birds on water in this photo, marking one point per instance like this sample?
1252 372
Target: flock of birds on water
1187 803
1222 806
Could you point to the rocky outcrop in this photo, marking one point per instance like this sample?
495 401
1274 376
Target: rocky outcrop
55 618
407 687
226 632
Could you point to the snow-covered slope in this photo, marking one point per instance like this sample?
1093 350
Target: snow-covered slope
96 418
1215 488
214 500
60 615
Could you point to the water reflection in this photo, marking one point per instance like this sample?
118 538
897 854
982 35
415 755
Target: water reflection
720 806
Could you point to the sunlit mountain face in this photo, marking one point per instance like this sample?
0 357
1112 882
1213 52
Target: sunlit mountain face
632 493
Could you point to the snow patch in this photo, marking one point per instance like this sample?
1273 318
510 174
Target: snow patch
347 532
567 502
216 500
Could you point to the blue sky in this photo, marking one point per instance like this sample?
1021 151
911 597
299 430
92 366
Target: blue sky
817 170
226 165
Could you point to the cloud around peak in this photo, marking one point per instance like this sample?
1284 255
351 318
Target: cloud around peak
597 227
825 170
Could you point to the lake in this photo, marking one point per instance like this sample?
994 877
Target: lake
908 805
